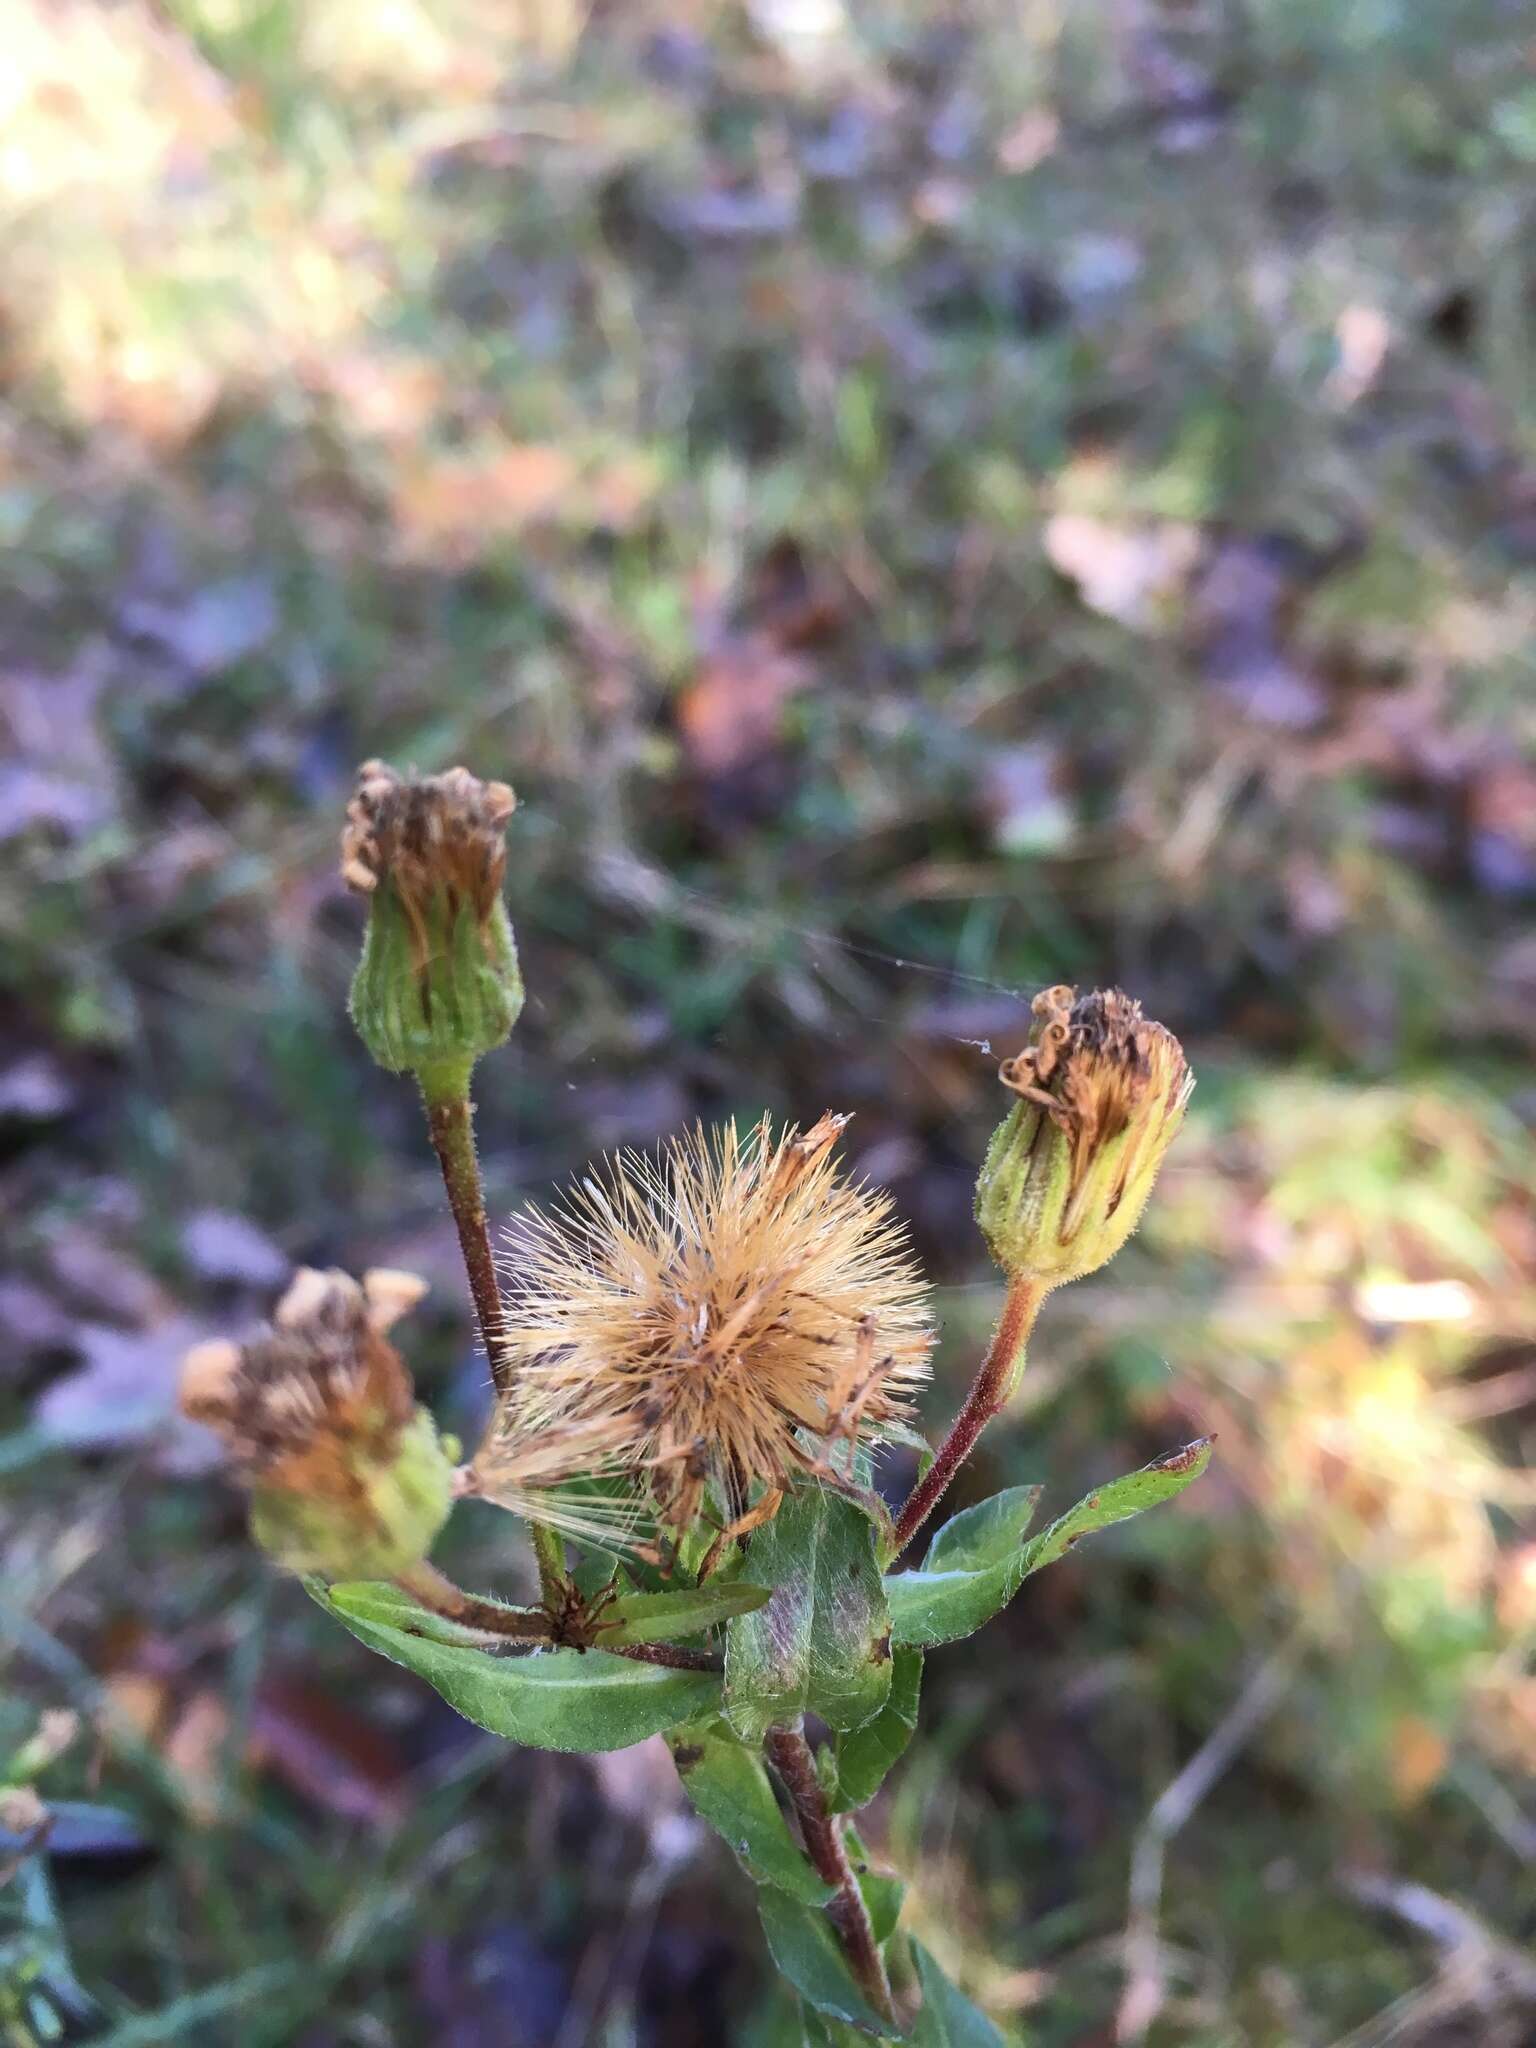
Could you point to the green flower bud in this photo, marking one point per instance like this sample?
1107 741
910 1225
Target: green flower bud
1102 1092
348 1476
438 981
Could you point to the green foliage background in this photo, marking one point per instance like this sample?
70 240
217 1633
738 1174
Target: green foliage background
922 504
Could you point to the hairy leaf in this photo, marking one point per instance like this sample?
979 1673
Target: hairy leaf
971 1571
728 1785
1118 1501
550 1699
883 1890
974 1567
822 1642
863 1758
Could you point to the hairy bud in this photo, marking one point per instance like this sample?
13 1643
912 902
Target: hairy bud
438 981
1102 1092
347 1475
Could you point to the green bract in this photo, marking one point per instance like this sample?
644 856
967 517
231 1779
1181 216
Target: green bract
400 1505
1102 1092
439 1005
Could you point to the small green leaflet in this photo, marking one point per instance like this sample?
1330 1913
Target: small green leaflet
864 1757
658 1617
549 1699
1118 1501
728 1785
822 1642
883 1890
948 2018
805 1950
974 1567
978 1561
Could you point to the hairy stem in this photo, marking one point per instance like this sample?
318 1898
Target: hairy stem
676 1656
821 1831
990 1389
425 1583
530 1625
450 1121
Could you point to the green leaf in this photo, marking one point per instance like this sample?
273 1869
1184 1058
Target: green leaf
818 2032
822 1642
974 1567
550 1699
728 1785
1118 1501
864 1757
655 1617
968 1574
805 1950
948 2018
883 1890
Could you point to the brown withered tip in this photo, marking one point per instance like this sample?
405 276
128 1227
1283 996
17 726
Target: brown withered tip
427 833
1094 1062
319 1384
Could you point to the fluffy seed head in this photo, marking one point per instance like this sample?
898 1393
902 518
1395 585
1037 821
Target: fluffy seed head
717 1315
1101 1093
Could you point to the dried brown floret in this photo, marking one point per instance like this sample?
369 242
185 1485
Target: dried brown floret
1102 1091
427 834
296 1404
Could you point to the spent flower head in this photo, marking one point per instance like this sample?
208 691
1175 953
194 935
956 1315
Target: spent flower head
438 982
347 1475
719 1318
1101 1094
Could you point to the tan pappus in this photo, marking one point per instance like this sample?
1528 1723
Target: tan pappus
720 1319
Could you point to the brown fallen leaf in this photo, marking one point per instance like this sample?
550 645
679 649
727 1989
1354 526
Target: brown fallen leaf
449 507
193 1751
732 712
326 1752
316 1744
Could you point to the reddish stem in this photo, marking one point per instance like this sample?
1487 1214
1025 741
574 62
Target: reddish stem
989 1392
790 1754
675 1656
450 1121
424 1582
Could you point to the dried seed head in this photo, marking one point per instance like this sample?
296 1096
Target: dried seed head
1102 1092
438 982
347 1475
722 1318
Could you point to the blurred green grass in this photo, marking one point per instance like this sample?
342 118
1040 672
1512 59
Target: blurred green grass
920 509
